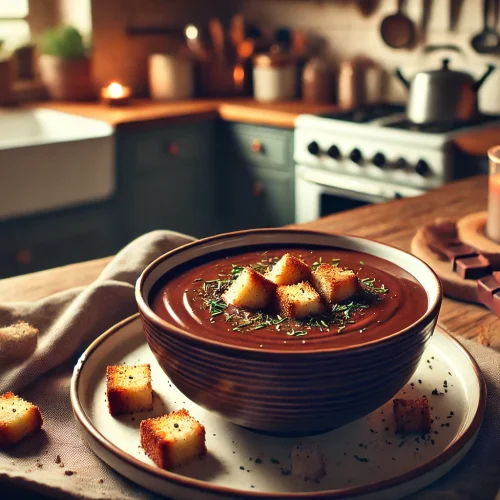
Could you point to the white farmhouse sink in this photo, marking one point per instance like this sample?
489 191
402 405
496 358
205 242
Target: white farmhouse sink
50 160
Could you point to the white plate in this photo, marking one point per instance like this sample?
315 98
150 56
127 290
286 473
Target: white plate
364 459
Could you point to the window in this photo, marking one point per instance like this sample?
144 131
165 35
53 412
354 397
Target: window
14 28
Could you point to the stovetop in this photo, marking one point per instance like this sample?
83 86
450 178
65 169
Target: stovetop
393 116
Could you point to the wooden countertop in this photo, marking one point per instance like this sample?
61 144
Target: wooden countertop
394 222
140 111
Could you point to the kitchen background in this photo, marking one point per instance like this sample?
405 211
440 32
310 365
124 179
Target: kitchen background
203 176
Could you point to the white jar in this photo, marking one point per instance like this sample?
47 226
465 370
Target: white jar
170 77
274 77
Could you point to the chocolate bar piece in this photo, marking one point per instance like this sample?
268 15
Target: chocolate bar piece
491 301
486 288
472 268
459 251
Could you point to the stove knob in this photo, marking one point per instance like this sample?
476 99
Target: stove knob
422 168
400 163
379 160
313 148
334 152
356 156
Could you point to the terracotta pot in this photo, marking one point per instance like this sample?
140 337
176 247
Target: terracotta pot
66 79
5 82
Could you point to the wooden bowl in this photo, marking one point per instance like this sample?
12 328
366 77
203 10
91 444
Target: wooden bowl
301 391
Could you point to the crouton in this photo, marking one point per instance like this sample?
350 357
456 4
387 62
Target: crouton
298 301
18 419
18 341
174 439
250 290
129 389
334 284
412 415
289 270
307 461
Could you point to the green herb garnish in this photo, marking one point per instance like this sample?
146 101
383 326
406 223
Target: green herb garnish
369 283
215 307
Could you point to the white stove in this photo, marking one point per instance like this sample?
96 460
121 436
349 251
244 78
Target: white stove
370 155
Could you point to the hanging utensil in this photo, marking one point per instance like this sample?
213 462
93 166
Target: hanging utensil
398 30
488 40
455 6
426 16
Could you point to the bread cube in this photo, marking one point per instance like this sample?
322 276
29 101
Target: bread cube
18 419
174 439
289 270
298 301
250 290
334 284
412 415
307 462
129 388
18 341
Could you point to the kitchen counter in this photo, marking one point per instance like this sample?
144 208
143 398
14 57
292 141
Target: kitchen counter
141 111
394 223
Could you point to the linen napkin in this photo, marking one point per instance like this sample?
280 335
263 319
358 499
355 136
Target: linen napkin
57 461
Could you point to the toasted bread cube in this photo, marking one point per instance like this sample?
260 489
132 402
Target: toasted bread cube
307 462
18 418
250 290
298 301
18 341
174 439
334 284
412 415
129 388
289 270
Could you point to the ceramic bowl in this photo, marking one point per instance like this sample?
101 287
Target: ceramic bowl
304 391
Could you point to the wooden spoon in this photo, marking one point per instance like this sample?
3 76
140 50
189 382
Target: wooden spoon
398 30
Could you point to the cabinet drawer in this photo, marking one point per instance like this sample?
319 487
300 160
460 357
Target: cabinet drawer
261 146
146 150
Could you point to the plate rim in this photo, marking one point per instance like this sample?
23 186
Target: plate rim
448 453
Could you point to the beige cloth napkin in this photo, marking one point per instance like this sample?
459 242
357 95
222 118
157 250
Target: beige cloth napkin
70 320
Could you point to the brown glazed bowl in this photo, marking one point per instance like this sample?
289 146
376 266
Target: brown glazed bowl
303 391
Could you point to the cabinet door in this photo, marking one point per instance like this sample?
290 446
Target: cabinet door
259 197
52 240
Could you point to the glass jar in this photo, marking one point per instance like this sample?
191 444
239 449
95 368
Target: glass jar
274 77
493 223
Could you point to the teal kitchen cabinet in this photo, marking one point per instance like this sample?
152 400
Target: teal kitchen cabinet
256 172
44 241
166 179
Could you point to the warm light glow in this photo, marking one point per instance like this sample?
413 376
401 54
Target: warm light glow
115 90
191 32
238 75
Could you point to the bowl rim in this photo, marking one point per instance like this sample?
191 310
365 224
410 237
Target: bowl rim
147 311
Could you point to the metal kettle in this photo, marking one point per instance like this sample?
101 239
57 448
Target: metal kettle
442 95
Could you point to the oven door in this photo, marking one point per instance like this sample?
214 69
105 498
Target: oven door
319 193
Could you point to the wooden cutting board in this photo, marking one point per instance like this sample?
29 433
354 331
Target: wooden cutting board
471 231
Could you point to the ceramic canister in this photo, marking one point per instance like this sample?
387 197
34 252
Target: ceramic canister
170 77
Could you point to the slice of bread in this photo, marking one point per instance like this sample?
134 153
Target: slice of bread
412 415
250 290
174 439
129 389
334 284
289 270
298 301
18 341
18 419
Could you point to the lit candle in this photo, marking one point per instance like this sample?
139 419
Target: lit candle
493 223
116 94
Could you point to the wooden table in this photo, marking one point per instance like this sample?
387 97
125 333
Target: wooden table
394 223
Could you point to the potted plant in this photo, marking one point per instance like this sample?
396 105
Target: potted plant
64 64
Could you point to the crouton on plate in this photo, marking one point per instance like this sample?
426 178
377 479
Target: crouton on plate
250 290
174 439
128 388
298 301
289 270
18 419
412 415
334 284
18 341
